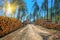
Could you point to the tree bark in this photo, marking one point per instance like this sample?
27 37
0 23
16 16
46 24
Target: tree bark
47 9
51 10
18 15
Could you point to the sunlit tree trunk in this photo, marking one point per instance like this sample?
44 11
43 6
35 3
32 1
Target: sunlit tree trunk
5 14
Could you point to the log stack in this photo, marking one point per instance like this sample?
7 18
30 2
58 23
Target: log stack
48 24
8 25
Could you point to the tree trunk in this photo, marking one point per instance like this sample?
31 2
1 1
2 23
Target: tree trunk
44 16
18 15
51 10
47 9
34 18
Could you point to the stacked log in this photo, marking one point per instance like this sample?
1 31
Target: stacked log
8 25
48 24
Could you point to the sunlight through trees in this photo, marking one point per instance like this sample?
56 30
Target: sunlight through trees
9 8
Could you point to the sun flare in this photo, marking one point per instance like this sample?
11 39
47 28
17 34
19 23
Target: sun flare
9 8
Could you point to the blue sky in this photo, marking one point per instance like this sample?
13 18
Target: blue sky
29 5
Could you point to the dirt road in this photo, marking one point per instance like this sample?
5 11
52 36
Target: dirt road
30 32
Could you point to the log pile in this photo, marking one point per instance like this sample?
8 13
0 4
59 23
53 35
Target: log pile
8 25
48 24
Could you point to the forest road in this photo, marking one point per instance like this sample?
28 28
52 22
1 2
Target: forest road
30 32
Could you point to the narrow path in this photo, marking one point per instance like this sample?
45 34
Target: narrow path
30 32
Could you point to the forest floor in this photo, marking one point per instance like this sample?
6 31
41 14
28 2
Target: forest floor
33 32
